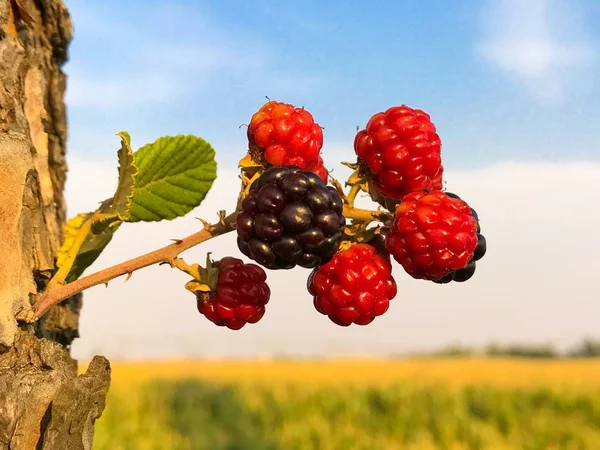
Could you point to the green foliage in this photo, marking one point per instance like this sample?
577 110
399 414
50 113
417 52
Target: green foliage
589 348
93 244
161 180
175 174
121 201
522 351
192 414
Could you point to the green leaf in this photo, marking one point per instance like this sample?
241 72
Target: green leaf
106 221
72 228
103 221
127 175
90 251
174 175
92 246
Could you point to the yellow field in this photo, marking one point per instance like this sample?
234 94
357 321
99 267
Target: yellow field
420 404
510 373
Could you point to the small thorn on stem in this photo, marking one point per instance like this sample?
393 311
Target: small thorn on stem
204 222
128 276
177 241
106 284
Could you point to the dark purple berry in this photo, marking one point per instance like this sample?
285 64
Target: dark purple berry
290 217
480 249
447 279
465 273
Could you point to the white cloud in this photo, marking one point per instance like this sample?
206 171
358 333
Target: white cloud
536 283
119 93
540 43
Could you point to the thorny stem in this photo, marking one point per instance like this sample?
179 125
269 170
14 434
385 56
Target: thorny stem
56 292
162 255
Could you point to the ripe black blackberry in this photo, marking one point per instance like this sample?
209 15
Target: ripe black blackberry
461 275
290 217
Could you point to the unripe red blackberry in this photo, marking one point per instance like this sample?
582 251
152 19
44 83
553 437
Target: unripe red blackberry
239 295
290 217
402 150
281 134
432 235
354 287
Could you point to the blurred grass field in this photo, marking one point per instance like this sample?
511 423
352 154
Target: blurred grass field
360 404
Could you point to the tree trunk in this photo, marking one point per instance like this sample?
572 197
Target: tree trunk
43 403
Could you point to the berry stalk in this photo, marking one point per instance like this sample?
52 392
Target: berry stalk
366 215
163 255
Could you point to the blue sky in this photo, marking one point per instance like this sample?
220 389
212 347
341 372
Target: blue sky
503 79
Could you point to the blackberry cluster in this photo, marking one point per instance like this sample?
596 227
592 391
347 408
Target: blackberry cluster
290 217
468 271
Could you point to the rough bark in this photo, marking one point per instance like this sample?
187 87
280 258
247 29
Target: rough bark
43 403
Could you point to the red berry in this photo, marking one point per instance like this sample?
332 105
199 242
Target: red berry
403 151
354 287
240 296
280 134
432 234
